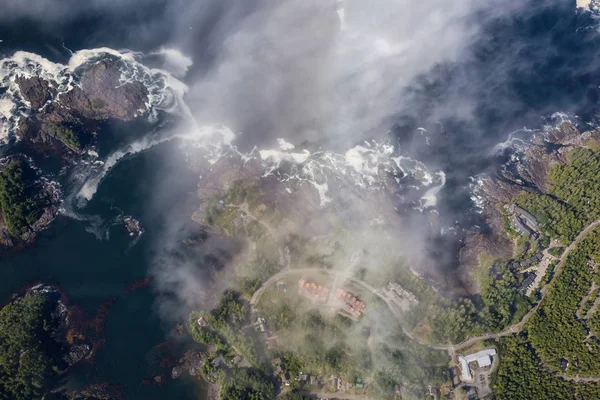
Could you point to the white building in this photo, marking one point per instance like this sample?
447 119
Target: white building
483 359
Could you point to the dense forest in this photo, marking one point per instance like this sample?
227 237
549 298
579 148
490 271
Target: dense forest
17 198
521 376
573 198
246 384
561 337
498 305
30 360
555 331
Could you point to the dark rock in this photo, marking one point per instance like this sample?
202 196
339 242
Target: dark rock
97 392
98 96
192 361
102 96
133 226
36 91
77 353
177 371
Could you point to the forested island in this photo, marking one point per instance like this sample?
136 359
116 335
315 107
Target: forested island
28 203
30 357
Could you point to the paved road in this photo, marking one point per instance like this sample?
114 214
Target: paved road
515 328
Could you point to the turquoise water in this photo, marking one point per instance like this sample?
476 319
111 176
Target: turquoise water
90 271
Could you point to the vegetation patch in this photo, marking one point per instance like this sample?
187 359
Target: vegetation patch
65 134
555 331
223 329
573 199
521 376
499 305
556 251
30 362
20 207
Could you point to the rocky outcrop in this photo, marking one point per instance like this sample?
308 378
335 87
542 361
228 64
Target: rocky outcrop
101 391
527 173
98 95
60 124
77 353
72 353
191 362
101 95
36 91
133 226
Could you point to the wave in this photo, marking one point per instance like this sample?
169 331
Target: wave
592 6
189 134
365 166
520 136
165 92
368 166
7 118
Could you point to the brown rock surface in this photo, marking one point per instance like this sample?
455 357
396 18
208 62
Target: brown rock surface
529 174
102 96
36 91
98 96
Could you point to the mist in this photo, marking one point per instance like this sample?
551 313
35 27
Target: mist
441 81
329 75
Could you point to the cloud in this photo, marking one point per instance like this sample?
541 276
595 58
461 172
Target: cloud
330 71
331 74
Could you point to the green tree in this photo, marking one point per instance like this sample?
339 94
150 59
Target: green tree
29 358
65 134
17 198
242 384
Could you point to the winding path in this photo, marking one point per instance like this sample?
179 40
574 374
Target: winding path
512 329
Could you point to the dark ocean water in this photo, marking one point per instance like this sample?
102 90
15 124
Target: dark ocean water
522 69
91 271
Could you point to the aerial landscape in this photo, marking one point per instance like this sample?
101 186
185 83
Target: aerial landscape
299 199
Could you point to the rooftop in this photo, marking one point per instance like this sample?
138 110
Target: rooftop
483 358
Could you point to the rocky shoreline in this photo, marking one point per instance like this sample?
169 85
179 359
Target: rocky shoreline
525 173
59 124
67 121
77 337
75 348
44 192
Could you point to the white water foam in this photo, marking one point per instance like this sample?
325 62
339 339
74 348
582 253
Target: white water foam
429 199
6 115
559 118
165 92
175 61
477 192
361 165
366 166
520 136
218 135
275 157
592 6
